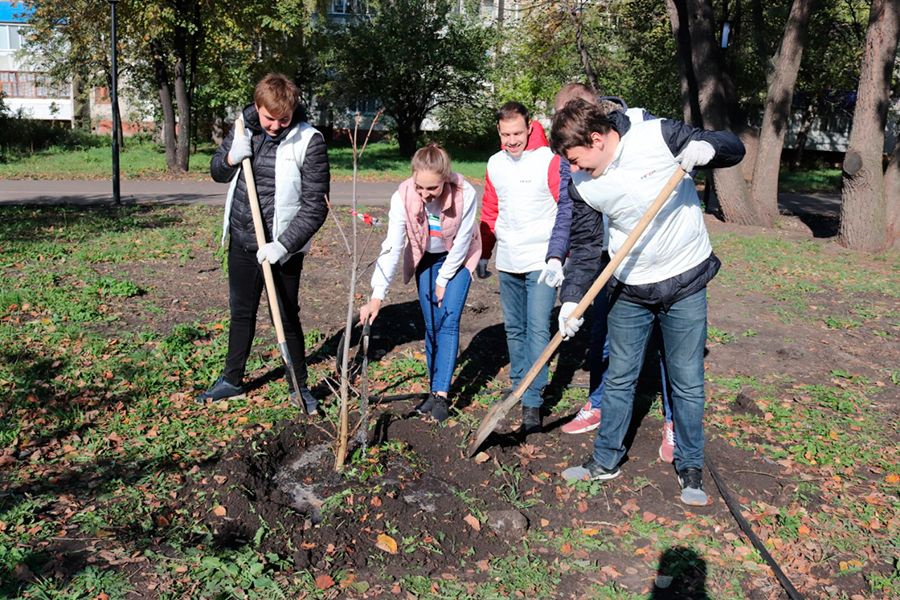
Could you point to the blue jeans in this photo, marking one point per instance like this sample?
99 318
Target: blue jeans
526 317
684 337
441 322
598 355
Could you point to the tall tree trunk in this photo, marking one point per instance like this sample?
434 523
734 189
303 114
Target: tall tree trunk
168 109
892 194
809 116
717 105
863 200
764 187
407 136
689 97
81 104
183 146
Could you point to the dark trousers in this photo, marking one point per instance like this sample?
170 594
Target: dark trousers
245 287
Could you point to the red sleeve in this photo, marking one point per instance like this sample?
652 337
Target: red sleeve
537 138
553 177
488 217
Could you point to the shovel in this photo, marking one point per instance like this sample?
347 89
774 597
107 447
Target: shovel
499 410
271 293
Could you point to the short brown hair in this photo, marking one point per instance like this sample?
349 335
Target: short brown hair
570 91
573 90
432 157
276 93
575 122
512 109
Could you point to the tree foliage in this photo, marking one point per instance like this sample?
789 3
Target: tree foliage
414 56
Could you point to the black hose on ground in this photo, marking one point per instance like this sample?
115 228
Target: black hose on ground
735 509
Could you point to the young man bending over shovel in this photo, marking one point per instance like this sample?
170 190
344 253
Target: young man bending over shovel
290 168
618 167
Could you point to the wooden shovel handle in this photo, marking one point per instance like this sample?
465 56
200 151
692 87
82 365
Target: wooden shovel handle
252 195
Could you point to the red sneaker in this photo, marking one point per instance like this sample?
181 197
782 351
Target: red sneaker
587 419
667 447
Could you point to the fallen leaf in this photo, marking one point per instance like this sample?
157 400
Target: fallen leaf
324 581
219 511
892 479
386 543
482 457
544 522
473 522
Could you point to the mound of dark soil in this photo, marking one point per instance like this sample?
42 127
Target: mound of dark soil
391 494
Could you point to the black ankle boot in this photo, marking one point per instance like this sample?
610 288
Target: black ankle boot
531 420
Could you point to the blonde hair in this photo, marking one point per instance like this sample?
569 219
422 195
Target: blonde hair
277 94
432 157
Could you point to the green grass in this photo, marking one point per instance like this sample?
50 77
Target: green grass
382 160
812 181
144 159
138 159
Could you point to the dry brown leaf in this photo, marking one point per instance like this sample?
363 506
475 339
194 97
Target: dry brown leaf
324 581
219 511
473 522
482 457
386 543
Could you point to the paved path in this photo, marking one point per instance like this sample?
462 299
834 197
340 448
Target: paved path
376 193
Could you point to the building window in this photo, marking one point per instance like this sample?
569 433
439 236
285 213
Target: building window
347 7
23 84
10 37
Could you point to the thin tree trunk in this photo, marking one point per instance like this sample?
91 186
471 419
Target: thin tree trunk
183 146
777 113
809 115
168 110
864 213
573 9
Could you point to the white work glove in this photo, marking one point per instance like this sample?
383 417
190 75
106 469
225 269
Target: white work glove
481 269
568 328
271 252
552 274
696 154
240 149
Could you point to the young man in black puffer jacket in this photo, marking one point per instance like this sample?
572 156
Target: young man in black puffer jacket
291 172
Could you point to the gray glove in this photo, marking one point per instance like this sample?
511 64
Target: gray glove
481 270
271 252
696 154
552 274
240 149
568 327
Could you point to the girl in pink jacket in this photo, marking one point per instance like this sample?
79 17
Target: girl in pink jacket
432 224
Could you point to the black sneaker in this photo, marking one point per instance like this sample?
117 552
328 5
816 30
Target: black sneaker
531 420
590 471
220 390
691 482
426 405
440 409
312 405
